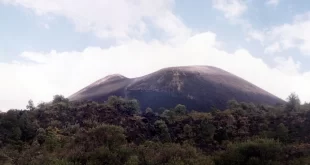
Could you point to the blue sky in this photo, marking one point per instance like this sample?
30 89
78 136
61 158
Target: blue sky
57 47
23 30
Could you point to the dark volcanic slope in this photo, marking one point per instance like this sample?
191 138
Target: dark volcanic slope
197 87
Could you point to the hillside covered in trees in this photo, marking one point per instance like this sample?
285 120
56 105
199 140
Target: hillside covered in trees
118 132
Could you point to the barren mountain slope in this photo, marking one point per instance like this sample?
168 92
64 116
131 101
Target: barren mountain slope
197 87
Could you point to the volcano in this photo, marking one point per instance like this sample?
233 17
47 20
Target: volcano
197 87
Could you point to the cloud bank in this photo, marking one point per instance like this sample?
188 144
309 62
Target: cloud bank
230 8
294 35
40 75
272 2
121 19
47 74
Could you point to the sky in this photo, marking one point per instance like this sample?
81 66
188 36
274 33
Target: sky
60 46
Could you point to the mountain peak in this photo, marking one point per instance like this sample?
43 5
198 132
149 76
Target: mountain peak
197 87
115 76
194 68
109 78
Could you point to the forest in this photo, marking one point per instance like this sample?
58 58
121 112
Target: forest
118 132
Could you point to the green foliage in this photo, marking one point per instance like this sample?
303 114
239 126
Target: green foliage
162 131
148 110
110 136
233 104
170 154
41 136
115 132
302 160
180 109
51 141
129 107
169 114
199 116
60 162
207 130
104 155
259 151
293 103
188 131
4 159
282 132
16 126
59 99
133 160
30 105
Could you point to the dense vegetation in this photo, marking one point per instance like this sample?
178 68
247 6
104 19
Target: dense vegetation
117 132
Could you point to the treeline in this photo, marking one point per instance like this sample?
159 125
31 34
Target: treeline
117 132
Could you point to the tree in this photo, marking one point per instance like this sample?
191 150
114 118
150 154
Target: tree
160 110
188 131
149 113
132 107
51 140
148 110
4 159
256 152
169 114
30 105
171 154
41 136
293 103
10 126
59 98
180 109
162 130
133 160
110 136
207 130
282 132
125 106
233 104
27 126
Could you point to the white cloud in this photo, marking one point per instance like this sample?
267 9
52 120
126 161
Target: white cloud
287 36
67 72
272 2
46 26
257 35
106 18
230 8
274 48
233 11
288 66
47 74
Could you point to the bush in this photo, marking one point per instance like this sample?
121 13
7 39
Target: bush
169 153
110 136
259 151
125 106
